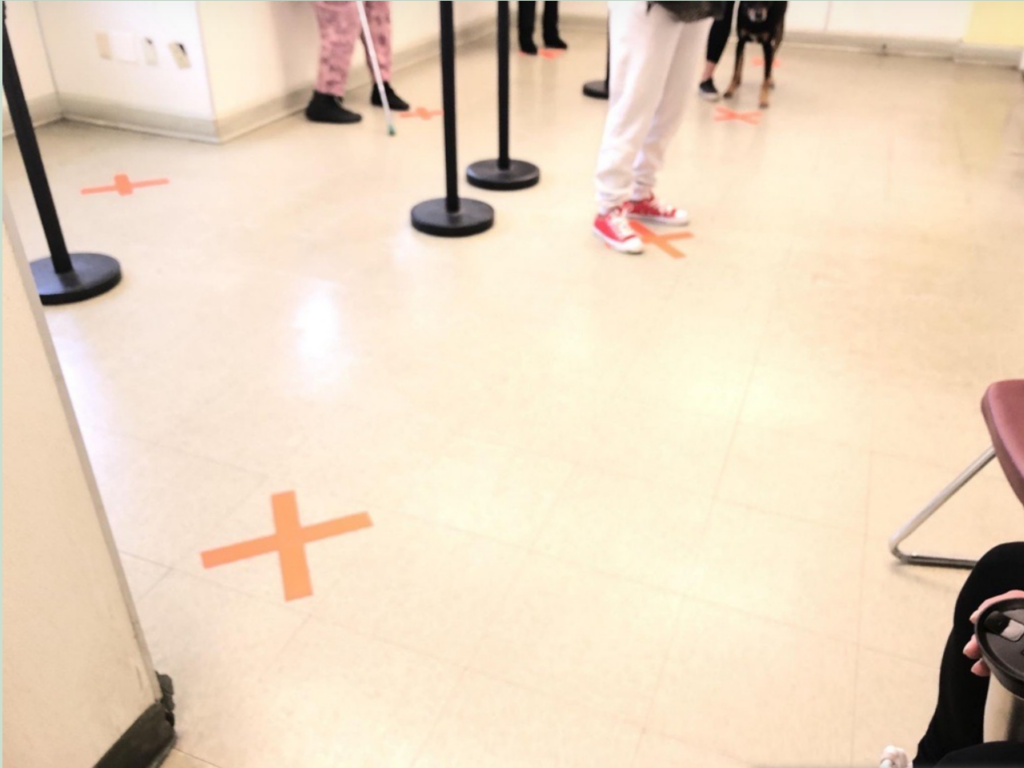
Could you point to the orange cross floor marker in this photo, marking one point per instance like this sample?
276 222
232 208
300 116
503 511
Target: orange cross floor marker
123 186
421 112
289 541
551 53
648 236
724 113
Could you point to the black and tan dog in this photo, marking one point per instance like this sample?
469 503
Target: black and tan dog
758 23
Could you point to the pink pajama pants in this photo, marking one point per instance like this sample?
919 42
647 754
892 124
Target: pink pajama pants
339 28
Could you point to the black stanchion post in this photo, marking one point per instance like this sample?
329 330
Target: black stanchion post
451 216
504 160
65 277
598 89
503 173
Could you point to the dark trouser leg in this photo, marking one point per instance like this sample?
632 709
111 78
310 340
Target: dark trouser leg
527 18
551 38
719 34
959 714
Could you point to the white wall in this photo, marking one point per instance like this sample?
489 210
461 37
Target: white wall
257 51
75 675
33 67
84 78
594 9
808 15
945 20
929 19
29 51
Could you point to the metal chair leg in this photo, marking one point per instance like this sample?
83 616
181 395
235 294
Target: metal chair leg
918 520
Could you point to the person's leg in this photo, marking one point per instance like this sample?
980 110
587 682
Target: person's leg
717 38
551 36
642 45
339 28
959 714
378 18
527 20
676 93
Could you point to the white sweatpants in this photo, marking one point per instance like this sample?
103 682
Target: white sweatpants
654 70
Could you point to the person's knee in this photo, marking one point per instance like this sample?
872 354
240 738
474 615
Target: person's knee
999 570
1003 559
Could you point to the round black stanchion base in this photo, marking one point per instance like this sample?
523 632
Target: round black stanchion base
93 274
596 89
433 218
487 174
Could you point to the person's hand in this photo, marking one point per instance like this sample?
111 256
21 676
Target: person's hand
972 650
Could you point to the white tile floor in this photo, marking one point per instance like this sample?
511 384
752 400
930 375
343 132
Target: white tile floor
628 512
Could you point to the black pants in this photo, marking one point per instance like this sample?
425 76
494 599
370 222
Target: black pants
954 737
719 34
527 19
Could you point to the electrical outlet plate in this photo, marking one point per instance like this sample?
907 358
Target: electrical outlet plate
103 45
180 55
149 51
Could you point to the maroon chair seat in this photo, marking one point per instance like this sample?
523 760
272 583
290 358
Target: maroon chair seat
1003 408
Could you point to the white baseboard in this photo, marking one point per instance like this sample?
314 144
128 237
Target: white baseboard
249 119
876 44
114 114
995 55
958 51
44 109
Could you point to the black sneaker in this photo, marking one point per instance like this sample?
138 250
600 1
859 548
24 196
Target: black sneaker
394 100
325 108
555 42
527 46
708 90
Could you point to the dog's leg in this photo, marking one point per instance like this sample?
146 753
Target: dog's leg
777 42
769 57
737 75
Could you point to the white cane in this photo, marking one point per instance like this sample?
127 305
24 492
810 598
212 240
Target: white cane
372 51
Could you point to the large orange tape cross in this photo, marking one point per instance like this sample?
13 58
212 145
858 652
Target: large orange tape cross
724 114
662 241
289 541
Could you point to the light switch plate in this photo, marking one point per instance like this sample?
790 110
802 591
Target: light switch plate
180 55
149 51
